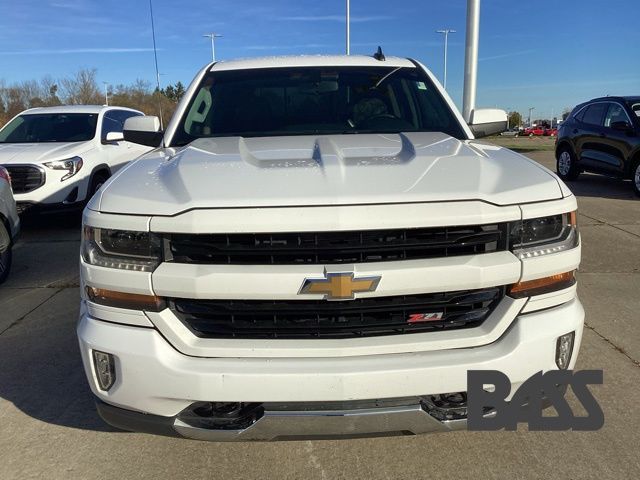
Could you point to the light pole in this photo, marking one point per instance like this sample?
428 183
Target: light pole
155 56
446 33
213 37
471 59
530 110
348 33
106 93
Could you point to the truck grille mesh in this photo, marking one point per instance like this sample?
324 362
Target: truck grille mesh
308 319
335 247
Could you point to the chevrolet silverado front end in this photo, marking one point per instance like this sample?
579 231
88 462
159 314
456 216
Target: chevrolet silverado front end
320 248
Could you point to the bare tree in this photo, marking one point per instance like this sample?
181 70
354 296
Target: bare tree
82 89
49 88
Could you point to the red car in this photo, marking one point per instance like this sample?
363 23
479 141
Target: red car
551 132
535 131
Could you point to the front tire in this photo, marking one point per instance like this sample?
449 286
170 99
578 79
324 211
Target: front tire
566 165
635 178
96 184
6 254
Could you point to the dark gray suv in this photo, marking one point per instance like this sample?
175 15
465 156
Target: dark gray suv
601 136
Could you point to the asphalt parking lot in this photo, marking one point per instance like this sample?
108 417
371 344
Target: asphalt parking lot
49 428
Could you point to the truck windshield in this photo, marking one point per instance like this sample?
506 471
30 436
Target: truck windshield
50 127
315 100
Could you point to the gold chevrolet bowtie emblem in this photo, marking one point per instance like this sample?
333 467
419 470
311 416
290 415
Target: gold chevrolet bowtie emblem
339 286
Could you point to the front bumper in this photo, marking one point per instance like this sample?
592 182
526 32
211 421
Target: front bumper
155 383
403 418
55 194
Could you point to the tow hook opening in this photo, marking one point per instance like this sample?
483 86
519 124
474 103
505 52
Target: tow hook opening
222 415
446 406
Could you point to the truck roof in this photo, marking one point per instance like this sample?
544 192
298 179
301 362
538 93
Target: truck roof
310 61
74 109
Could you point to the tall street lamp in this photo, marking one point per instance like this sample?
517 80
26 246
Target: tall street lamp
213 37
155 56
106 93
446 33
471 59
531 110
348 33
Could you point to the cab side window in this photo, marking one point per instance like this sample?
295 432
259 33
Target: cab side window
594 114
615 114
110 124
580 114
122 115
113 121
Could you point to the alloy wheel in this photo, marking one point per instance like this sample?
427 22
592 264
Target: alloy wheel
564 163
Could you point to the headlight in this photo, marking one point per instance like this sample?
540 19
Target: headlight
125 250
71 165
543 236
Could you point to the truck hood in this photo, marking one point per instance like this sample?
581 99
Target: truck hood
324 170
39 152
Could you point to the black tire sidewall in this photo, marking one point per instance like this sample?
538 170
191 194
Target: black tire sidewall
98 178
634 169
573 169
7 257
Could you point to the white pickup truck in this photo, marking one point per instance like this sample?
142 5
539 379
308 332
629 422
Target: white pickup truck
318 247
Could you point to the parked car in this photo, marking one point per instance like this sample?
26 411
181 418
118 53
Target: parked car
601 136
537 131
321 248
550 132
58 157
513 132
9 223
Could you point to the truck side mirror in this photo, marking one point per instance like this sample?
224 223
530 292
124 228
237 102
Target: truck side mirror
143 130
487 121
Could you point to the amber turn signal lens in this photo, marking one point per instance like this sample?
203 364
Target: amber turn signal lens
573 218
544 285
131 301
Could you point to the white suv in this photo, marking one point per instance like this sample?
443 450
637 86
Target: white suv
58 157
321 248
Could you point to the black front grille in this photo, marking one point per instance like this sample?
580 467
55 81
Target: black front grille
25 178
335 247
365 317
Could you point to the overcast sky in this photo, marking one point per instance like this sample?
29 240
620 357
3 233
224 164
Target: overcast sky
547 55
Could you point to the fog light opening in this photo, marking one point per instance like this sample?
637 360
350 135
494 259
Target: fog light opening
222 415
105 369
564 350
446 406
